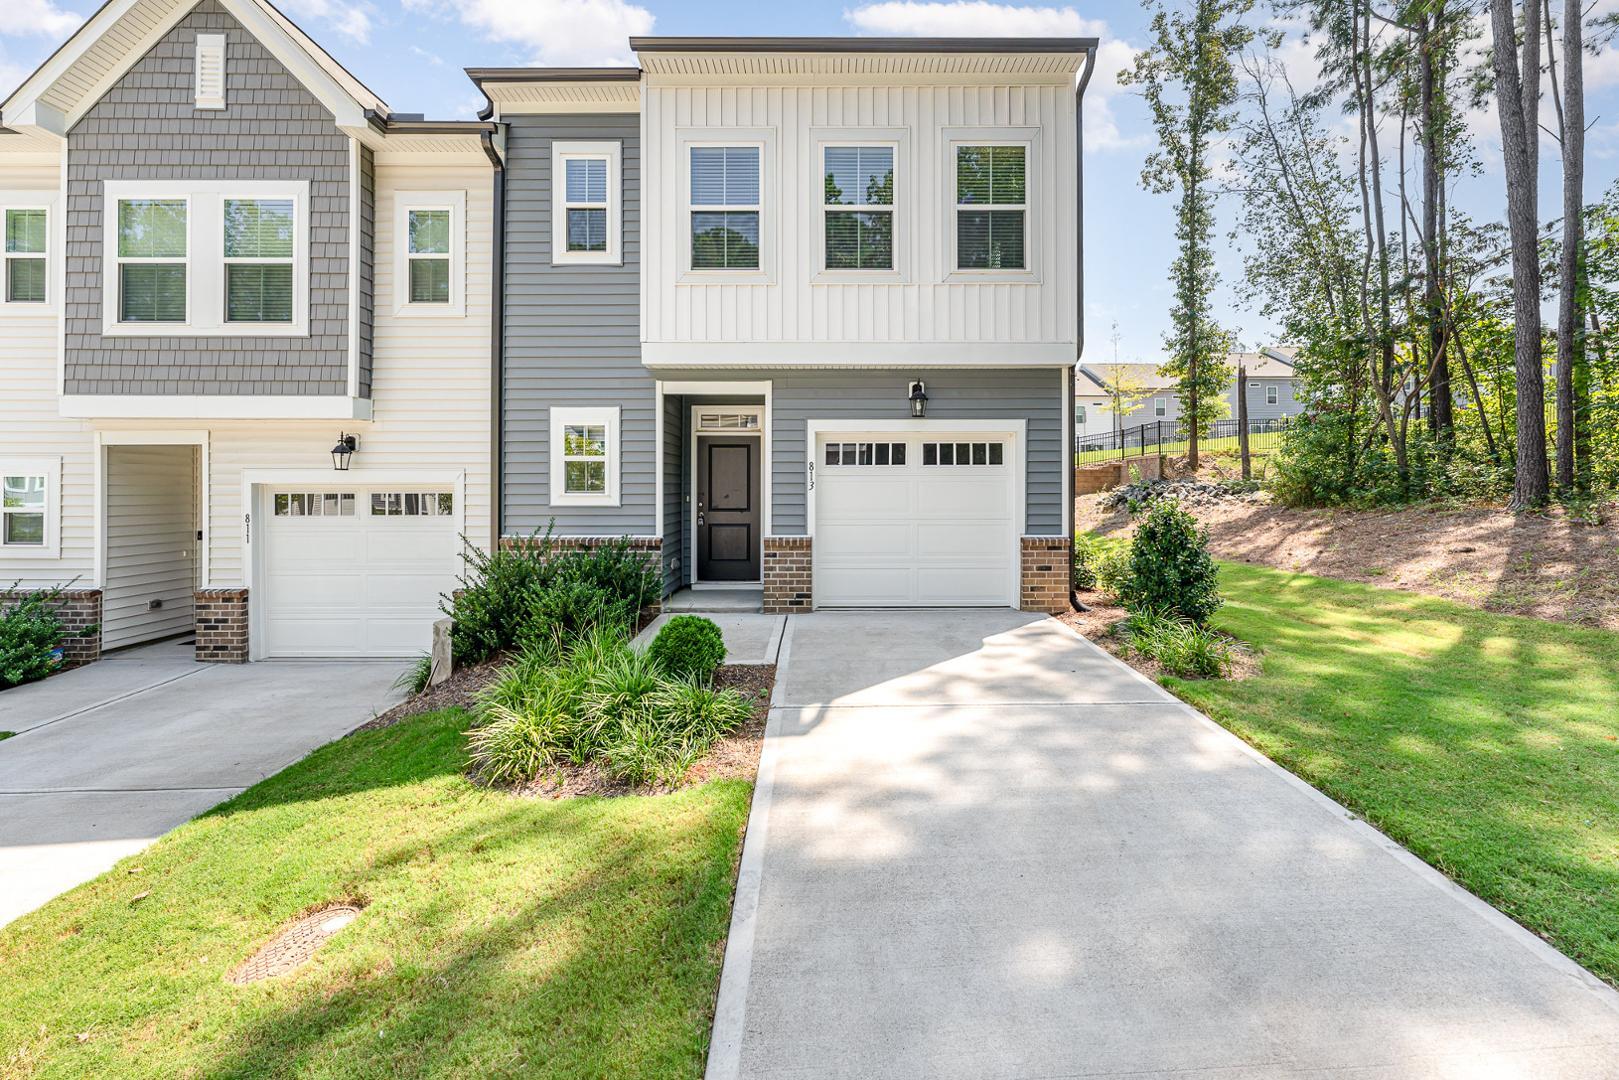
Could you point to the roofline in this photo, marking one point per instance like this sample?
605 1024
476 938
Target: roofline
1089 374
88 19
553 74
865 44
389 126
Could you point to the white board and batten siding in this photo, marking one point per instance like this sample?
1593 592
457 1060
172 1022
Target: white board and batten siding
927 301
151 519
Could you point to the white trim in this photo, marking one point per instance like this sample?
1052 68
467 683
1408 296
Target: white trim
1015 429
252 554
764 140
855 354
764 470
38 199
563 151
727 389
50 468
1027 137
895 140
199 439
61 277
1160 408
221 407
354 265
1273 394
657 459
209 97
205 256
406 200
596 416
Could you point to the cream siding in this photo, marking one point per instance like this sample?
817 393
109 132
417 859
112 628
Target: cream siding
928 304
152 549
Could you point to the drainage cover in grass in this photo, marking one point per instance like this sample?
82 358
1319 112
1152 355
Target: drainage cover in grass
294 944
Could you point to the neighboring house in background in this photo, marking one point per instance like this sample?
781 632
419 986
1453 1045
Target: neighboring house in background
224 253
735 277
1274 391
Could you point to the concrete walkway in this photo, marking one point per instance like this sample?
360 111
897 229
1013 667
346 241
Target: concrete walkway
981 847
111 756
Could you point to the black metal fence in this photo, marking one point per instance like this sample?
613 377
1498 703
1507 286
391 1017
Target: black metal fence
1170 437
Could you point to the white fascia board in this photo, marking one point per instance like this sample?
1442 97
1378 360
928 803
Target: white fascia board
345 109
212 407
16 107
853 354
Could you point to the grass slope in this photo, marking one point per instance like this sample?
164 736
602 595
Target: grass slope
502 936
1487 744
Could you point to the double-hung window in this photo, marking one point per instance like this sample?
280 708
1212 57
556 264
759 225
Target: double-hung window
154 252
584 456
1160 406
430 253
992 207
586 214
258 260
28 497
27 241
725 207
427 247
858 207
1273 394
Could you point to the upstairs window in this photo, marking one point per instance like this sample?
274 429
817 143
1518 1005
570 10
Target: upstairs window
258 260
25 254
1273 395
859 207
153 260
1160 406
429 254
725 207
427 247
586 214
991 207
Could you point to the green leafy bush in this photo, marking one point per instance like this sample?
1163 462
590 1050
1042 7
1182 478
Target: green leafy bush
31 632
1170 570
491 608
1183 648
689 647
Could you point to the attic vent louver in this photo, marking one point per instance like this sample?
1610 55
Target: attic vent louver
210 71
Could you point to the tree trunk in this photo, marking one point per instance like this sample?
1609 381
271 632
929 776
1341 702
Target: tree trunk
1517 101
1440 415
1242 420
1570 321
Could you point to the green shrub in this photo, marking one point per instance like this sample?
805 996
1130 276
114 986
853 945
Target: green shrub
31 632
491 608
689 647
681 721
1170 570
1113 569
1183 648
616 569
414 679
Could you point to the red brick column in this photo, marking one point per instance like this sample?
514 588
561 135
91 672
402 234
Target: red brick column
221 616
788 575
1047 571
77 608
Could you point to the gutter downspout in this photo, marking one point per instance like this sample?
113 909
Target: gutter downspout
1079 299
497 345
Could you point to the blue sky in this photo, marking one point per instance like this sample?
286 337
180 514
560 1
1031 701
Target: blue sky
412 52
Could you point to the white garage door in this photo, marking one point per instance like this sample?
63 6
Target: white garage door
354 572
903 521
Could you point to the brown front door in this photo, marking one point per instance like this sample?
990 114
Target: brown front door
727 508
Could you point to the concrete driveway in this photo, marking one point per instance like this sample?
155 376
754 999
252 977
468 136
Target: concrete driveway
981 847
111 756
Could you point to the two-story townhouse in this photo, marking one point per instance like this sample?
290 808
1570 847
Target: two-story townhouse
1274 392
799 315
247 325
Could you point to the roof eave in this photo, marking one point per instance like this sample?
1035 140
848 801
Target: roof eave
993 45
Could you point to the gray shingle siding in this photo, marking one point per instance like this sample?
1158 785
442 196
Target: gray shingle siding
146 128
572 336
368 240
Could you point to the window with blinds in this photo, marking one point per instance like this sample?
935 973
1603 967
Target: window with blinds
859 207
25 255
991 207
428 251
153 256
585 202
725 207
258 260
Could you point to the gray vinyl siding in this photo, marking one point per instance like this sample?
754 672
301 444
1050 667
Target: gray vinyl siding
572 336
676 570
1035 395
151 500
1287 402
145 127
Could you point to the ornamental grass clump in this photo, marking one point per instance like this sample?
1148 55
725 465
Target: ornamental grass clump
1183 648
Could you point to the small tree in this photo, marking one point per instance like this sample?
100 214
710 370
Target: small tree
1171 571
1124 389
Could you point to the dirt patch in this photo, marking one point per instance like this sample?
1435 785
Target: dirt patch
734 757
1545 565
456 692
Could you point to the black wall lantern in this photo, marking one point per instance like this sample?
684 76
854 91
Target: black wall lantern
346 445
919 400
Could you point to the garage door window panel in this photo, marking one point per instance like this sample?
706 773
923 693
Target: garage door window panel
878 454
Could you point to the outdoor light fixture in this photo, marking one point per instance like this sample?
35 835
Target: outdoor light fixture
919 400
346 445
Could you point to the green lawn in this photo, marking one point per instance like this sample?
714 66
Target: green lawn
1487 744
502 936
1260 444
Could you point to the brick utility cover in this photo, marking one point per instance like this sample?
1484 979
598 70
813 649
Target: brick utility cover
294 944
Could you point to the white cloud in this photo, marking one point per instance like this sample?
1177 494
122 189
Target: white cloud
980 18
41 17
432 58
583 33
350 18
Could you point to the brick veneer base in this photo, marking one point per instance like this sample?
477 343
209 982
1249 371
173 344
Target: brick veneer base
77 608
221 616
789 584
1046 573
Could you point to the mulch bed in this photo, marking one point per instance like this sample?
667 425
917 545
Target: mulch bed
456 692
1099 624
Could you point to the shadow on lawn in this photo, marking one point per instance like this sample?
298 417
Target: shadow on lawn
1488 744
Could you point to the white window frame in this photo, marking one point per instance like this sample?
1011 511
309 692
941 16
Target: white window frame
764 140
827 274
562 152
22 200
51 469
1273 394
1080 415
205 256
1160 407
605 416
456 203
1029 139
